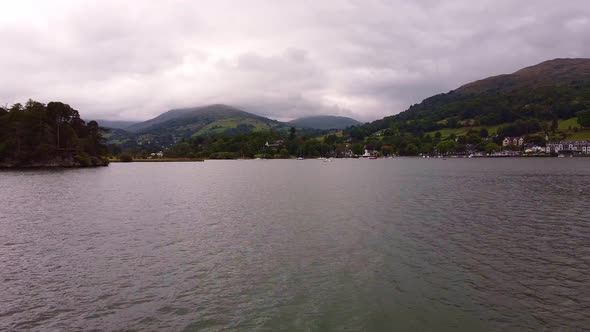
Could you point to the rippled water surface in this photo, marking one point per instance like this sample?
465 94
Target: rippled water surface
374 245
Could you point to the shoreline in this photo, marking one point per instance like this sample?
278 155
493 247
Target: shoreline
158 160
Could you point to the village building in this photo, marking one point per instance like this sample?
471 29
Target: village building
568 147
276 144
513 141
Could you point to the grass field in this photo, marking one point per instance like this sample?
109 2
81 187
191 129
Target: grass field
566 124
220 126
576 135
563 126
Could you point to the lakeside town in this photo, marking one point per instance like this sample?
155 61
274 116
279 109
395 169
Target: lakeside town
511 147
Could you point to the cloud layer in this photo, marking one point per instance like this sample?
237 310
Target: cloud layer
283 59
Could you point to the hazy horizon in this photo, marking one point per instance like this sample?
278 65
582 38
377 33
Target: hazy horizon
134 60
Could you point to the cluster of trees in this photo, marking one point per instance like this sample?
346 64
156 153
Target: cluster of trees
408 144
254 144
37 133
407 140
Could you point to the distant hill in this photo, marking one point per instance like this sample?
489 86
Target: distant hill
115 124
324 122
177 124
206 120
555 89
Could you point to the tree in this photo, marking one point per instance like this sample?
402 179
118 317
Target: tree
411 150
554 125
491 147
584 118
284 153
292 132
536 139
484 133
447 146
357 149
387 150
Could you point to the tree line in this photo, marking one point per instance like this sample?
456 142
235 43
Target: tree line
35 133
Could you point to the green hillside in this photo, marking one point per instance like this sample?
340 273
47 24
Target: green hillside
181 124
536 101
555 89
188 121
234 126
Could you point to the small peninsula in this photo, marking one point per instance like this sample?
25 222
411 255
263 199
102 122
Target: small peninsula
53 135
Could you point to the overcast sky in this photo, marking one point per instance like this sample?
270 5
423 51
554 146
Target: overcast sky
283 59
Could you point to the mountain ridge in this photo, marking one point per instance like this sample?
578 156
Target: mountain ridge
324 122
553 89
202 114
562 71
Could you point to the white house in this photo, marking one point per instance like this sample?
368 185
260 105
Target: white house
513 141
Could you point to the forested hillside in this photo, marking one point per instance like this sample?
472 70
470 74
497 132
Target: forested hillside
536 100
555 89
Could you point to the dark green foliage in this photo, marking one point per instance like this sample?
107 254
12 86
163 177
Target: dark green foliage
491 147
448 146
357 149
584 118
536 139
252 145
223 155
520 127
126 158
83 159
38 133
284 154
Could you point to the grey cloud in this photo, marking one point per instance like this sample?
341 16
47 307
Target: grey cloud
366 59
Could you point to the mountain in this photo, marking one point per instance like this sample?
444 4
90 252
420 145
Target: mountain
324 122
115 124
206 120
183 123
551 90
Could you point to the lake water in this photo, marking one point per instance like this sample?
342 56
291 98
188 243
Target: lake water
278 245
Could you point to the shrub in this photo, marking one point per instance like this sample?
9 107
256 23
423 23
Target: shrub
126 158
223 155
83 159
284 154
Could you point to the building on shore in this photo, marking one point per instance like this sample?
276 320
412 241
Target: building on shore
513 141
568 147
